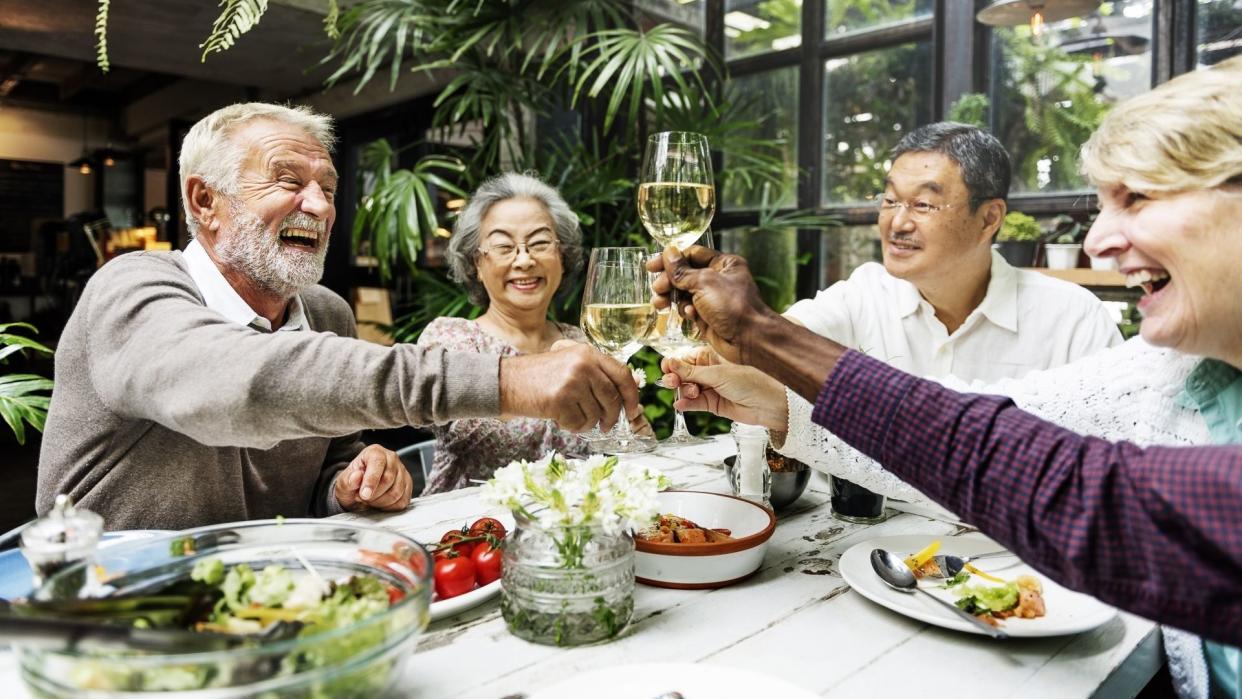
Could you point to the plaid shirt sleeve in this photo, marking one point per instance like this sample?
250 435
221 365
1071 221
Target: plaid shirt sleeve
1154 531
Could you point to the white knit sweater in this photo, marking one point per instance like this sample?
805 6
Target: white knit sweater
1129 392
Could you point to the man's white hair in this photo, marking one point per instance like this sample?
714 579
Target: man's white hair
210 152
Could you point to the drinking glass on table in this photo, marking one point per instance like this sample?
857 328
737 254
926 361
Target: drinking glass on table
617 317
677 339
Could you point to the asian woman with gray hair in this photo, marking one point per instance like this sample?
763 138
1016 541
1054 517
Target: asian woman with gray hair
514 246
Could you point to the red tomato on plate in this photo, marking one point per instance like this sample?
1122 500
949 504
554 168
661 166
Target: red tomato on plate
487 564
462 549
454 576
487 525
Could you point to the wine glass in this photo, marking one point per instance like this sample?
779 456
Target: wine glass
617 317
677 339
676 195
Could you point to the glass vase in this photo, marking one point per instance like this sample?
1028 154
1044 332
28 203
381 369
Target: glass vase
567 586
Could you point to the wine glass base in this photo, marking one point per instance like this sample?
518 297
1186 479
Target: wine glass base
682 440
631 445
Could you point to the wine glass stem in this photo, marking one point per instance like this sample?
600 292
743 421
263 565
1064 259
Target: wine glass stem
679 421
621 431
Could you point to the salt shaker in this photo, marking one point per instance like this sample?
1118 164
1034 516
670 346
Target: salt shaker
752 478
64 536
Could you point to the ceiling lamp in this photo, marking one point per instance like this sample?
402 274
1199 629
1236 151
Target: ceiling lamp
82 165
1036 13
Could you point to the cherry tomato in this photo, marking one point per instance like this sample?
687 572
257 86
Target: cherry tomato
487 525
462 549
454 576
394 595
486 563
406 566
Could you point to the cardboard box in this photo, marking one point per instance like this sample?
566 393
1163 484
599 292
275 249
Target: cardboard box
373 308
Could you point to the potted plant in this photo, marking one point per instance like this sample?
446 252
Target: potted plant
1065 242
1018 238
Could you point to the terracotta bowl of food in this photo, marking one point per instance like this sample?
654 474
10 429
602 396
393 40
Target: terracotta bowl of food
789 478
703 540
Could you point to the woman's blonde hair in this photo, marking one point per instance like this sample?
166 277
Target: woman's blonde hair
1185 134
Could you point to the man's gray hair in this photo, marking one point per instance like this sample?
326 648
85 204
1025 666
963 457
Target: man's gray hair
982 159
463 247
210 152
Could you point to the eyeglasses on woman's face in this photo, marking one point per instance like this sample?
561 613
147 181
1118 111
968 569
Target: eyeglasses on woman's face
505 252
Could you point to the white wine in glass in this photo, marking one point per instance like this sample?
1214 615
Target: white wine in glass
676 214
618 328
617 317
677 194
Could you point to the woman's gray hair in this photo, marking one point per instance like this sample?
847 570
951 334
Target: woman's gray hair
463 247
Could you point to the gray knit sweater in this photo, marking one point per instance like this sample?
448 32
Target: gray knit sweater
167 415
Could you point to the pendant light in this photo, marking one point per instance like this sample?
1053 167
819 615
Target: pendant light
1035 13
83 163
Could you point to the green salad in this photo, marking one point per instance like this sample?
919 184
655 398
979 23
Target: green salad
250 603
265 606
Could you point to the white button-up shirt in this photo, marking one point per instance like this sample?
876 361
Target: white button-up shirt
221 297
1026 321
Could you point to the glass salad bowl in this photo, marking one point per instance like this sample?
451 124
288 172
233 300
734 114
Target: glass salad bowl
358 636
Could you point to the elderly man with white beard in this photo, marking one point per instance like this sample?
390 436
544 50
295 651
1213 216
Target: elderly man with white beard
222 383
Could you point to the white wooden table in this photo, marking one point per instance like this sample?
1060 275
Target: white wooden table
796 619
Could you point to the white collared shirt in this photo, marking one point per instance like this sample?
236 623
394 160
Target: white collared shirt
1026 321
221 297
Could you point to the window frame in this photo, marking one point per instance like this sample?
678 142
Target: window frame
959 45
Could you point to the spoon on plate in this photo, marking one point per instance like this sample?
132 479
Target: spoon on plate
951 565
894 572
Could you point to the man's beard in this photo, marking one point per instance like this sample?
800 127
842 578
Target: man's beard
258 254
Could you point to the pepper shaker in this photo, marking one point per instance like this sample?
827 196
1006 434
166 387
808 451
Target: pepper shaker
63 537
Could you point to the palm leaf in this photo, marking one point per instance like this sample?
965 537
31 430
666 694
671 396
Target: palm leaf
400 210
630 63
375 33
20 407
437 297
237 18
101 32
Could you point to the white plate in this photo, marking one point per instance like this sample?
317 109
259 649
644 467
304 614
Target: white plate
15 571
692 680
445 608
1068 612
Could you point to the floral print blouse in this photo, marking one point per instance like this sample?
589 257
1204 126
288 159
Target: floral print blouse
472 448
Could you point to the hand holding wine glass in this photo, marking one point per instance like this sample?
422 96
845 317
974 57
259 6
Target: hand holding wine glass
617 317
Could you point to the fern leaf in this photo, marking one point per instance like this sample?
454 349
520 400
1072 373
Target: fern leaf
101 31
330 20
237 18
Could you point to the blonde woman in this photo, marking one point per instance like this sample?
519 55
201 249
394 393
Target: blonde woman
1169 170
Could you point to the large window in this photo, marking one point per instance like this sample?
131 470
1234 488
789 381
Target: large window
846 16
1218 30
1050 91
687 13
835 84
759 26
871 100
770 100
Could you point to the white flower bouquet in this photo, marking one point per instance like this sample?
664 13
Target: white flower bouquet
571 498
